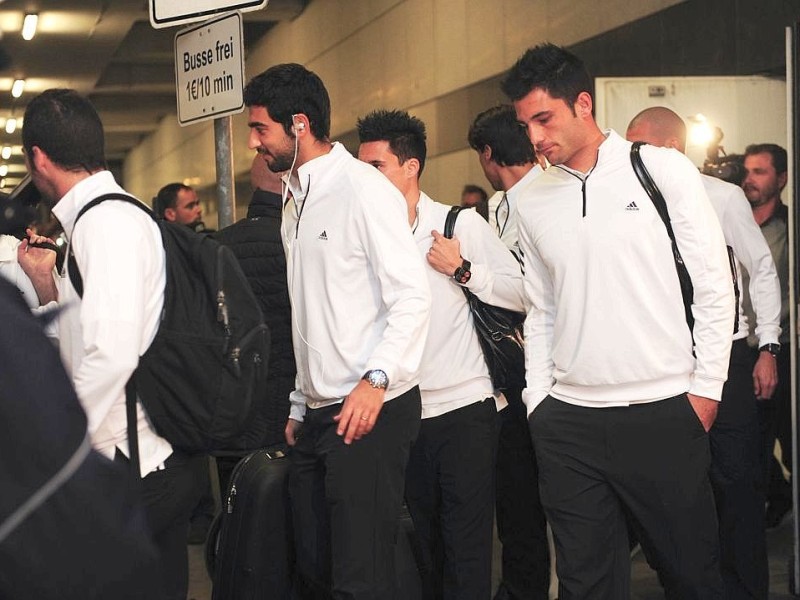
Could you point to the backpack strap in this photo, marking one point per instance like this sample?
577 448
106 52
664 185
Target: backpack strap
72 266
660 204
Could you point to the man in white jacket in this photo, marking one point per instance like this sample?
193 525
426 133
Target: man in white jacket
103 331
735 472
619 408
360 311
450 482
509 163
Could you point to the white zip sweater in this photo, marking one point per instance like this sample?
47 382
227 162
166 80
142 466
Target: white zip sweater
608 325
359 292
454 372
751 250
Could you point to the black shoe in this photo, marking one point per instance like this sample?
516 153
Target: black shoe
776 510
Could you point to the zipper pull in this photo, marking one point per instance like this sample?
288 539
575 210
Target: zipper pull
222 309
231 499
235 354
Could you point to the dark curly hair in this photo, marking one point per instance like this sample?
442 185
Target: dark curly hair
552 69
289 89
499 129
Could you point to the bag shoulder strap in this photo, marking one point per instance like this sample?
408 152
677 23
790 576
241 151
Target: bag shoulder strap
650 187
660 204
450 221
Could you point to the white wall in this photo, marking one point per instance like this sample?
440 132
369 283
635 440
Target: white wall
404 54
747 109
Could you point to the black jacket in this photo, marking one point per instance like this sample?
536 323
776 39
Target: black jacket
256 242
86 540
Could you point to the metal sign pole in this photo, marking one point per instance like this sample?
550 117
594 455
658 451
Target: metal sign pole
226 193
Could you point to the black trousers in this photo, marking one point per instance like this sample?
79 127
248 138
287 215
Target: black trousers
647 462
346 501
521 524
736 481
775 416
450 495
168 497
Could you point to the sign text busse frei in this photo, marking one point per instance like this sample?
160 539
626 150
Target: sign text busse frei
168 13
209 69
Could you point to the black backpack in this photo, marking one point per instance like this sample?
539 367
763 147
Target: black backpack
203 379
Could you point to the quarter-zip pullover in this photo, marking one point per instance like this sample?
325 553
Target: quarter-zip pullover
454 372
608 326
359 292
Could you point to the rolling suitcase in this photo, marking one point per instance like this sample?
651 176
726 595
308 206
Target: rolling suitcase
249 551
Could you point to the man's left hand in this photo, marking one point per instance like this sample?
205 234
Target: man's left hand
445 254
765 376
359 412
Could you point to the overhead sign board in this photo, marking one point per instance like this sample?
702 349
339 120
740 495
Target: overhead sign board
209 69
168 13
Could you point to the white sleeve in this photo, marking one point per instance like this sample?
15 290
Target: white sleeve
112 262
403 285
496 277
751 249
702 245
540 298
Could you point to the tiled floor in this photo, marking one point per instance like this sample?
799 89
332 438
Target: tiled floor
644 582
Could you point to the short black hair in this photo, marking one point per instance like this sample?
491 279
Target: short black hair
499 129
67 128
289 89
471 188
778 154
552 69
168 197
405 134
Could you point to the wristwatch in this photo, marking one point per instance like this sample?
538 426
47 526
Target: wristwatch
377 379
462 273
773 349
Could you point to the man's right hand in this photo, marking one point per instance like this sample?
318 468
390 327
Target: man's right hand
705 409
291 431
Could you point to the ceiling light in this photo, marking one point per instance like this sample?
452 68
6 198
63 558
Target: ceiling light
6 152
3 170
11 125
17 88
29 26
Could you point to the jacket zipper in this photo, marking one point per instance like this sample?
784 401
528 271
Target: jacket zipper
583 187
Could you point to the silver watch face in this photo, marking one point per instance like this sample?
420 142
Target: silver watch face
377 378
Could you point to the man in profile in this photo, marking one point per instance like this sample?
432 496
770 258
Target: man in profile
509 163
360 312
450 476
104 331
619 407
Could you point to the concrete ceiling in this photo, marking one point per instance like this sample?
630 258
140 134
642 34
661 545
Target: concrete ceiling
107 50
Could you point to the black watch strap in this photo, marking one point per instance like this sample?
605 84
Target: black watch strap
774 349
463 273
